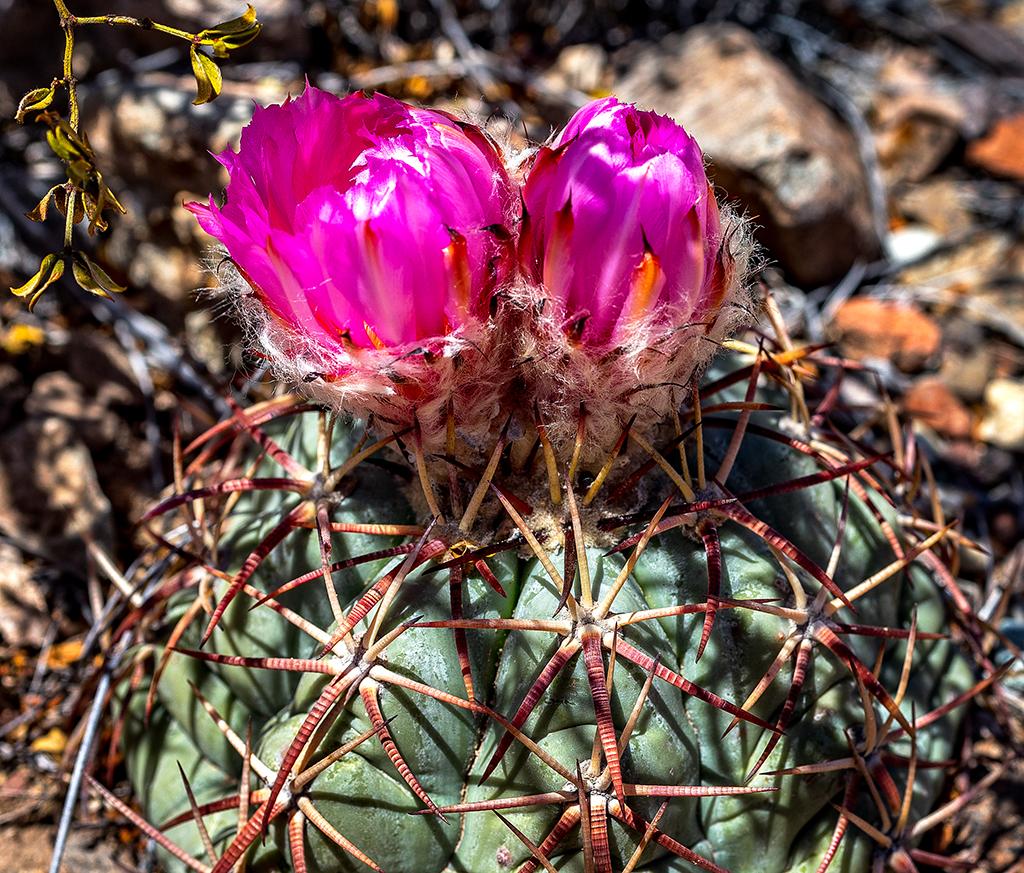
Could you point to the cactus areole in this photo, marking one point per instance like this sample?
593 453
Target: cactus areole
529 587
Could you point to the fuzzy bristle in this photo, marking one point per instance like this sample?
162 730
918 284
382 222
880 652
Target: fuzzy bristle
540 661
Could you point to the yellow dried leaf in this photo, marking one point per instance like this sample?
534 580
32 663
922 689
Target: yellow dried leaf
387 14
208 77
51 268
93 278
19 338
35 100
419 87
231 35
52 742
64 654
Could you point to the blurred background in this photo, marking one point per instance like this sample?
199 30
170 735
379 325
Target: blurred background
878 147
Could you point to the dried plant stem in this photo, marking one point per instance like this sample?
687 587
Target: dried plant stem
67 22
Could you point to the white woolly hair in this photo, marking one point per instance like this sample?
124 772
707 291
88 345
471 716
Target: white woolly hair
408 385
647 375
470 372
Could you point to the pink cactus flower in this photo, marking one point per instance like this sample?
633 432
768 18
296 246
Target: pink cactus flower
363 223
621 228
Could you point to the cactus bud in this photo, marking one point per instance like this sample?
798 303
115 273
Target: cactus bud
369 230
623 226
623 238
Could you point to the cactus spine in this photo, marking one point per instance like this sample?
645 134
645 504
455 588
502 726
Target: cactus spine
714 647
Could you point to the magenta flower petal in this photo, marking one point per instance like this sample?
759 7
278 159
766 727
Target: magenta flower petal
364 222
622 227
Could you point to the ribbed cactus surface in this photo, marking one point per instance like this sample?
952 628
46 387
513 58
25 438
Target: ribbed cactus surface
708 646
524 593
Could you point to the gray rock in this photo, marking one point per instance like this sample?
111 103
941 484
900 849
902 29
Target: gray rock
50 496
157 141
1003 422
917 114
155 144
24 618
773 146
582 67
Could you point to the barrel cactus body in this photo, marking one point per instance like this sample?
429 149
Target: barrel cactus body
590 740
520 590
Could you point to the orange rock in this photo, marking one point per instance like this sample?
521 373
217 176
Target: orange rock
931 402
902 333
1000 150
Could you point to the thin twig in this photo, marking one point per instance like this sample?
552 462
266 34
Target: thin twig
82 758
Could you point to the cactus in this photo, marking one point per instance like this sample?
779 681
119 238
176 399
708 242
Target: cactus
658 629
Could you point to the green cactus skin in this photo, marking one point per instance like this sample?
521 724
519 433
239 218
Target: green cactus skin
677 739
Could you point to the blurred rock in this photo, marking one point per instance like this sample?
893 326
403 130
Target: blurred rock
930 401
916 116
57 395
49 494
172 272
158 142
73 448
989 466
996 47
106 406
942 204
203 341
999 301
911 243
24 618
968 359
1011 17
1001 151
582 67
98 362
964 268
1002 306
773 145
27 849
1003 422
149 133
12 393
866 329
1006 521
